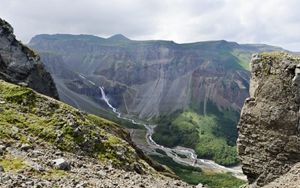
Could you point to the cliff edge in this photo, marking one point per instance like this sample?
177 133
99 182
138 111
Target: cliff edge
269 140
19 64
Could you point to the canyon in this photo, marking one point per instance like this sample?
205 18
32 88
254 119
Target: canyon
172 104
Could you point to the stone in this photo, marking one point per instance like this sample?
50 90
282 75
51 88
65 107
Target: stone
59 153
26 147
38 167
102 173
36 153
137 168
61 164
269 142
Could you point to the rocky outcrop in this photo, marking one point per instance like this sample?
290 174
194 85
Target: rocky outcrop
20 65
269 141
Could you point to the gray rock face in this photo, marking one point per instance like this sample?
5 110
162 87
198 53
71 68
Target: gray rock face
269 141
149 78
19 64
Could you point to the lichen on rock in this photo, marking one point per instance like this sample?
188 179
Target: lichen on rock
269 141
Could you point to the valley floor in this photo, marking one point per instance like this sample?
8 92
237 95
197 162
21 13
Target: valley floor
186 165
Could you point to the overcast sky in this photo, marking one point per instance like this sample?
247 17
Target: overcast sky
275 22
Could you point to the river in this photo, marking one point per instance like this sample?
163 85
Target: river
190 158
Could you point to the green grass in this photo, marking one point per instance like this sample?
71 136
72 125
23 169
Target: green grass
203 133
12 164
195 176
67 128
243 57
55 173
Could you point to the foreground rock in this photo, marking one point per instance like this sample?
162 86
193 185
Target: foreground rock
269 141
85 172
21 65
61 164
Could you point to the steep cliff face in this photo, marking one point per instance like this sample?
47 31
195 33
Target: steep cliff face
152 78
269 141
19 64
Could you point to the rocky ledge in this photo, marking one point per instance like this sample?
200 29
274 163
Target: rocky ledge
269 141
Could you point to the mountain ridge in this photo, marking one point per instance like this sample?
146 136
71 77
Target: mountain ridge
121 36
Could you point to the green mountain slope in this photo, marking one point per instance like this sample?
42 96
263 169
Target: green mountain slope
46 120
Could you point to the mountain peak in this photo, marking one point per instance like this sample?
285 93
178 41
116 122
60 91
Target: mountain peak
118 37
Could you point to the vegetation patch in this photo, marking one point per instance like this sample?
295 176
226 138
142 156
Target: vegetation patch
206 134
54 173
11 163
195 176
243 57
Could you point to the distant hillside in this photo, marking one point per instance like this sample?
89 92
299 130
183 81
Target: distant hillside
151 78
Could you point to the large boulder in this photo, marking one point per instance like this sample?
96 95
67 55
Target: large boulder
269 141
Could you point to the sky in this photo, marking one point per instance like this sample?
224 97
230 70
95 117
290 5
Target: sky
274 22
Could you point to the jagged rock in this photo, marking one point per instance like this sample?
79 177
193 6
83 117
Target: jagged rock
269 142
61 164
21 65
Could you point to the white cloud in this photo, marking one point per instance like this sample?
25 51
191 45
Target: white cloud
275 22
